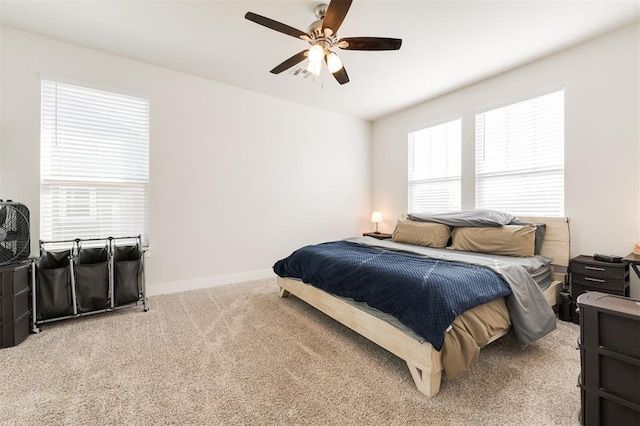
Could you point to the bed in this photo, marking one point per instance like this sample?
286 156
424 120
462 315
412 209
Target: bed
487 321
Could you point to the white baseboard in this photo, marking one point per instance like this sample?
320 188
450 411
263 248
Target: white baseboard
179 286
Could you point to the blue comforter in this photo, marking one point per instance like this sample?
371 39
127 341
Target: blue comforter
424 294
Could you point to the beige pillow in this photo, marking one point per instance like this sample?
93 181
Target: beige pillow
507 240
421 233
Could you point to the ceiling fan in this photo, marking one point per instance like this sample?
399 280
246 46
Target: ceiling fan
322 36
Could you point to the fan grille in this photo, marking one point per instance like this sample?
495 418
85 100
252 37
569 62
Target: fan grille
14 233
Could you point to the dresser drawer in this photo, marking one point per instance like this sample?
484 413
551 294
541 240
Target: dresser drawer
14 279
578 289
12 308
601 270
600 283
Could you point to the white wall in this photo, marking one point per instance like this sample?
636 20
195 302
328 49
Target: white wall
602 144
238 179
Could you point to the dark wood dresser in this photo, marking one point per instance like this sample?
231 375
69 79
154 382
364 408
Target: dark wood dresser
610 359
588 274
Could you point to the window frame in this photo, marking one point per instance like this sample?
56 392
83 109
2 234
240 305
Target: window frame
441 180
533 174
112 178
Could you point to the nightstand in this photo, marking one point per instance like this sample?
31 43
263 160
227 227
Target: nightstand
587 274
379 235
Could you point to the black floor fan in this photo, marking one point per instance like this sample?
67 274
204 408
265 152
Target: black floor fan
14 233
14 273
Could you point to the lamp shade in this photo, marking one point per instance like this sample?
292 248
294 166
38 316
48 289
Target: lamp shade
314 68
316 53
376 217
333 62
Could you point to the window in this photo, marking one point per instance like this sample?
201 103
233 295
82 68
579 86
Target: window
520 157
434 168
94 164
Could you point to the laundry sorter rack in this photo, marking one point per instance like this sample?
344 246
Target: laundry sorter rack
86 276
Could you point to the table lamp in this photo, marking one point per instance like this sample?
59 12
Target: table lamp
376 217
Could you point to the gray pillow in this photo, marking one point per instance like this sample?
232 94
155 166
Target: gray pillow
478 217
541 229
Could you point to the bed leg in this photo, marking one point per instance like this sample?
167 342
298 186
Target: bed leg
427 382
282 292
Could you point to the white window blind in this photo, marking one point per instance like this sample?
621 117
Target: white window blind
520 157
434 168
94 163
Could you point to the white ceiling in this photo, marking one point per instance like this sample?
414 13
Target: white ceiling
446 44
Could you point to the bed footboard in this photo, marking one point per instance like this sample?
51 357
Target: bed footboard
424 362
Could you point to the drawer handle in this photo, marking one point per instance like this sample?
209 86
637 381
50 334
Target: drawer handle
594 280
594 268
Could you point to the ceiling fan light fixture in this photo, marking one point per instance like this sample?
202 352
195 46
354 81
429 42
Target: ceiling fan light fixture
333 62
314 68
322 36
316 53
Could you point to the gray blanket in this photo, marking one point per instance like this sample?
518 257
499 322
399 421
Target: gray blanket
531 315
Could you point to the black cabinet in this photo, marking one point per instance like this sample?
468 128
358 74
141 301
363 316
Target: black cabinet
610 359
587 274
14 304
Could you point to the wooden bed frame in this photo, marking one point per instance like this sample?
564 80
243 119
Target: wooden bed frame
424 362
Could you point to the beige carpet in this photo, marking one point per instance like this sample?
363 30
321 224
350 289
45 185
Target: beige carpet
240 355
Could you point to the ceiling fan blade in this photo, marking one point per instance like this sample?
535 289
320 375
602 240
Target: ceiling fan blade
275 25
336 12
371 43
297 58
